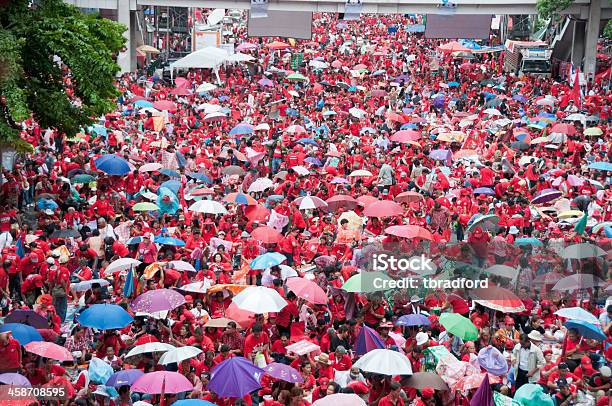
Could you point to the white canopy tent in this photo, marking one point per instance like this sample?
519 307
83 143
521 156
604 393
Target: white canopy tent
206 58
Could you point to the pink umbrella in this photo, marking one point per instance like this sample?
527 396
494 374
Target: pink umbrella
155 383
337 201
157 300
307 290
573 180
182 82
366 200
336 64
408 197
383 208
49 350
266 234
244 318
164 105
409 231
406 136
180 91
246 46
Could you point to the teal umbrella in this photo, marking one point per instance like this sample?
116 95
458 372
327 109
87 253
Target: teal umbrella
83 178
532 395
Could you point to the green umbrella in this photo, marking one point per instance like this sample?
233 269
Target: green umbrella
297 76
83 178
366 282
459 326
145 206
532 395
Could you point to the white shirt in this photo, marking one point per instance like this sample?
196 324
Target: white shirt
524 359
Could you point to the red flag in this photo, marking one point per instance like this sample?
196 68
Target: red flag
576 95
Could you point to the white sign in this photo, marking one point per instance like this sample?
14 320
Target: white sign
259 8
352 9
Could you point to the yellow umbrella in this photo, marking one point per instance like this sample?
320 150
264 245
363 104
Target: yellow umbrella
148 49
593 131
570 213
355 222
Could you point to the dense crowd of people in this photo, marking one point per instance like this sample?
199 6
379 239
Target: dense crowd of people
207 241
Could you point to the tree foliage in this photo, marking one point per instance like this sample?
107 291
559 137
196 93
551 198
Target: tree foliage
34 37
551 8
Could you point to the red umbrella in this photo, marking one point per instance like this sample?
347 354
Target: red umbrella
366 200
406 136
146 338
307 290
165 105
393 116
244 318
277 45
180 91
497 298
563 128
49 350
256 213
409 231
338 201
408 197
383 208
266 234
453 46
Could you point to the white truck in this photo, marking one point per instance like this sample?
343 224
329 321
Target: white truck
528 58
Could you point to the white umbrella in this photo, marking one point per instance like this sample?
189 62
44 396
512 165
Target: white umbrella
262 126
206 87
177 355
575 117
360 172
579 281
149 195
161 315
209 108
357 113
577 313
384 362
196 287
492 112
300 170
260 185
310 202
259 300
182 266
582 251
239 57
295 129
503 271
150 167
208 206
216 116
149 347
545 102
285 271
86 285
318 64
121 264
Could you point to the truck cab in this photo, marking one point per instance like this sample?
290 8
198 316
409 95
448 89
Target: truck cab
535 62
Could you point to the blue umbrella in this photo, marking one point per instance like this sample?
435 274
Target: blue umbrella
528 241
22 332
586 330
105 317
367 130
352 89
200 177
368 340
329 113
112 164
267 260
307 141
141 104
193 402
171 241
378 72
242 129
275 198
453 84
292 112
167 201
408 126
46 204
124 378
170 173
484 191
410 320
134 241
99 130
601 166
519 98
173 185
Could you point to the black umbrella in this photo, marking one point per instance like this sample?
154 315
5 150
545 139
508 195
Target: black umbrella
519 145
420 380
29 317
65 233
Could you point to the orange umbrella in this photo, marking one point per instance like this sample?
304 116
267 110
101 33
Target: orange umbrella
409 231
453 46
408 197
276 45
383 208
231 287
266 234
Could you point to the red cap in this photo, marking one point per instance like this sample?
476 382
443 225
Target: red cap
546 352
188 299
585 360
427 392
509 320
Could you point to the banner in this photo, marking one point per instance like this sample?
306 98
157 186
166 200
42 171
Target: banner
352 10
296 60
259 9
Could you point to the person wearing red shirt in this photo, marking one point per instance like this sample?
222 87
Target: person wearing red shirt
257 341
285 317
10 353
341 361
393 398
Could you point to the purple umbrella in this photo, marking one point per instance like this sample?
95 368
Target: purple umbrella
155 382
493 361
235 377
338 180
13 378
265 83
484 191
124 378
29 317
283 372
484 394
546 195
368 340
157 300
410 320
440 154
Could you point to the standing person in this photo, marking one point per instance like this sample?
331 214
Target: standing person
10 353
147 252
528 359
59 281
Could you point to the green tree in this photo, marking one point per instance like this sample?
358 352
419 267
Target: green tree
551 8
42 44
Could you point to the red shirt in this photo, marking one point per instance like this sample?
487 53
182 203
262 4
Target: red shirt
284 316
10 354
386 402
6 218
